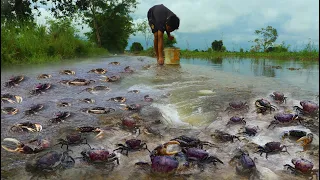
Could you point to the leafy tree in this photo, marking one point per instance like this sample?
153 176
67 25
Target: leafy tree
145 29
217 45
267 36
136 47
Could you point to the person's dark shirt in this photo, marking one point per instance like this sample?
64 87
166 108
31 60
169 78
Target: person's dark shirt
158 15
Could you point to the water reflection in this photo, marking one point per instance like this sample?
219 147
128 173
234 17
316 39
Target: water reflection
302 73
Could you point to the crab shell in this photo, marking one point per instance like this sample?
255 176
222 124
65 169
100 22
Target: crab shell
302 165
164 164
67 72
238 104
309 106
88 100
114 63
133 143
246 164
98 71
98 155
44 76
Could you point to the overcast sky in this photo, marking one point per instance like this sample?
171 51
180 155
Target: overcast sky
234 21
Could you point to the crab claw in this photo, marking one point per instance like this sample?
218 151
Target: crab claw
306 139
163 150
18 99
17 142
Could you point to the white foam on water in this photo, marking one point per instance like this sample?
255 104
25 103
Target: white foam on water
171 115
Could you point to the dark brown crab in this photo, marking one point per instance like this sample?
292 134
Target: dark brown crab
114 63
34 109
10 110
77 82
187 141
88 100
9 98
118 99
26 126
40 88
134 91
131 107
132 145
263 105
223 136
67 72
237 106
96 88
111 78
63 104
14 81
98 110
128 69
73 139
44 76
31 147
60 116
98 71
272 147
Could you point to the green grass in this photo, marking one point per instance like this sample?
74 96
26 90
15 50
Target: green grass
26 43
306 54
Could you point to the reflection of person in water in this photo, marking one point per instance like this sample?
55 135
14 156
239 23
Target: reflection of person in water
161 19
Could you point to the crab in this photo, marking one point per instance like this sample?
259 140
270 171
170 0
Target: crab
134 91
10 110
161 149
111 78
250 131
118 99
99 156
40 88
114 63
98 110
63 104
302 166
129 122
132 145
67 72
306 140
278 97
44 76
73 139
293 133
237 105
284 118
87 100
84 129
161 164
263 105
147 98
128 69
272 147
31 147
131 107
96 88
186 141
79 82
34 109
9 98
98 71
14 81
308 108
200 156
60 116
245 165
236 120
26 126
223 136
49 162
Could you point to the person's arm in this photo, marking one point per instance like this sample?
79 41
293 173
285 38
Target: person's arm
169 36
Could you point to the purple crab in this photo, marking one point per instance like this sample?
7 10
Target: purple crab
278 97
161 164
301 166
308 108
99 156
245 165
186 141
236 120
284 118
237 105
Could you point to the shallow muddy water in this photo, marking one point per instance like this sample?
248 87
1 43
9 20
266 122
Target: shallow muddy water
188 99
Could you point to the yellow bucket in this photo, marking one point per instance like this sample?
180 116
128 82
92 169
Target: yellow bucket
171 55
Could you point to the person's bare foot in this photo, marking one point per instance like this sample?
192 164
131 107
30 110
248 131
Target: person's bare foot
160 61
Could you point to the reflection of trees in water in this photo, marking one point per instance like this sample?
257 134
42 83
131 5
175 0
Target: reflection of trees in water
261 68
217 60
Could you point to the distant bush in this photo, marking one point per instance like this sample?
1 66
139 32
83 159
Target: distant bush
136 47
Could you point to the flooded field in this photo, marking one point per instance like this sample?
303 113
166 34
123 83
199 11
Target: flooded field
189 99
